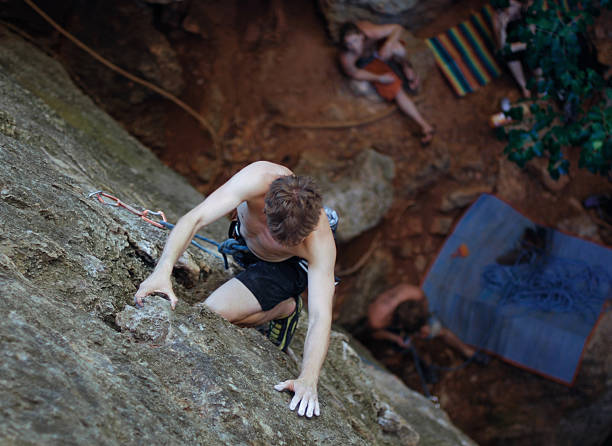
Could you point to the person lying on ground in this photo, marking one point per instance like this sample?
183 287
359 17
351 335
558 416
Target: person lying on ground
281 220
403 310
369 53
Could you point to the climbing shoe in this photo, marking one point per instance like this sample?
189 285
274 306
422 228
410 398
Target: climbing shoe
281 331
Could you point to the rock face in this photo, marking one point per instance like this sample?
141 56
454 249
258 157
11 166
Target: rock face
79 364
360 190
412 14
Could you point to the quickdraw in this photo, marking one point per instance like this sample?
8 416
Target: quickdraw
228 247
115 202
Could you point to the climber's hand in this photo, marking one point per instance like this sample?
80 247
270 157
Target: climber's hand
305 396
155 284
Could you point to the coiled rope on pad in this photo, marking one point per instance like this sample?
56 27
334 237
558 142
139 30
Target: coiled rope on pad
128 75
550 284
228 247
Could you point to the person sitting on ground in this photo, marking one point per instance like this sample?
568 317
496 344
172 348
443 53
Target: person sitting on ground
281 220
403 310
369 53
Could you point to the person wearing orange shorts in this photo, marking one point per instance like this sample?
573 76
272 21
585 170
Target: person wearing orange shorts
369 52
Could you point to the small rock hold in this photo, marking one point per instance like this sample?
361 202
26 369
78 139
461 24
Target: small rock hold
149 323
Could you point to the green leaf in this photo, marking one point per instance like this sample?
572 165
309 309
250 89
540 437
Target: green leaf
597 144
537 148
588 124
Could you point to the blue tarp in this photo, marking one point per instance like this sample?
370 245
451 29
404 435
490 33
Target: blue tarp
536 314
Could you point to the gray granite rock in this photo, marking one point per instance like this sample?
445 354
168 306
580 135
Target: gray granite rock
412 14
360 189
79 364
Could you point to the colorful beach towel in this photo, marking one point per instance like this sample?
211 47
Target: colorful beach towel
533 307
465 53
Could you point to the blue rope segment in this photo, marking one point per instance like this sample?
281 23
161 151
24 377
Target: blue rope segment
228 247
550 284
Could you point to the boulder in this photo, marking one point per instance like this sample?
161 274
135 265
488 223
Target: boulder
359 189
412 14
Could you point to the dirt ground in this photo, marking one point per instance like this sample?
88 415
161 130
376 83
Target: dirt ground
256 65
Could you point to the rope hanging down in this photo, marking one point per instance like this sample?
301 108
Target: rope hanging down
126 74
228 247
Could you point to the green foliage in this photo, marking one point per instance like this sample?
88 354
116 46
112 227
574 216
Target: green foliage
575 106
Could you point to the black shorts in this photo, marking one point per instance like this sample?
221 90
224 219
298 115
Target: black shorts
273 282
270 282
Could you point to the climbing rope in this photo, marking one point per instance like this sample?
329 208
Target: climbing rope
417 365
549 283
228 247
362 260
128 75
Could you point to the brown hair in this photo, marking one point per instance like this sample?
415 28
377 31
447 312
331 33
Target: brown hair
292 207
410 316
347 29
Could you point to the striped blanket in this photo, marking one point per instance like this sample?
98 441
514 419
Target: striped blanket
465 53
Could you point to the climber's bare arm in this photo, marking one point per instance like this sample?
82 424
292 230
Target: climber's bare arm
321 261
249 183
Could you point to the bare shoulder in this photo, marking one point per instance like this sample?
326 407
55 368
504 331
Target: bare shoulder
266 168
320 246
253 180
261 173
